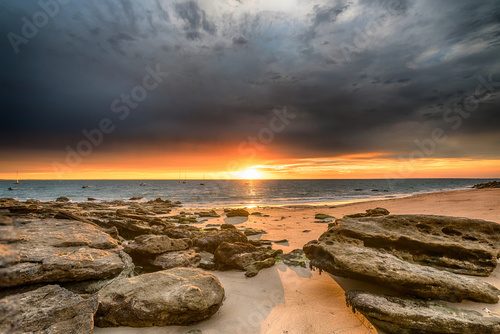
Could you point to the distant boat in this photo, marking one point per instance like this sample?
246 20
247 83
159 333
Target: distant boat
143 184
17 179
85 187
10 188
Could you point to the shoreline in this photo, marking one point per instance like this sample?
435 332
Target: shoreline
298 204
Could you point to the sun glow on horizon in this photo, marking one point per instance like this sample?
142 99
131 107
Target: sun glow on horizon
251 173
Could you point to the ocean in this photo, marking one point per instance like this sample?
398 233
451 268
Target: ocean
232 193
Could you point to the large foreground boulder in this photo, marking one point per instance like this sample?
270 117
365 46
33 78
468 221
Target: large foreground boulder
402 315
51 250
177 296
49 309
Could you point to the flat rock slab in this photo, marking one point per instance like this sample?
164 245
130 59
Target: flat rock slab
380 267
51 250
49 309
405 316
461 245
178 296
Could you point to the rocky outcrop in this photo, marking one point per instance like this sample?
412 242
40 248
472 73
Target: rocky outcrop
460 245
49 309
487 185
210 240
177 296
377 212
388 270
236 213
50 250
403 315
415 256
245 256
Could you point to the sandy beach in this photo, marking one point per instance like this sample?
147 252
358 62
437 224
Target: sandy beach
294 300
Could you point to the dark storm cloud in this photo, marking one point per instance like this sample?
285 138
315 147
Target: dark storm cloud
360 75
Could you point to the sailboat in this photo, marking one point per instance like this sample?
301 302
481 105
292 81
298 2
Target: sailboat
17 179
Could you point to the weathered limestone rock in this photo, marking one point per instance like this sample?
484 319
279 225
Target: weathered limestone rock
208 214
461 245
491 184
377 212
403 315
210 240
49 309
155 244
184 258
177 296
295 258
322 216
245 256
371 265
236 213
51 250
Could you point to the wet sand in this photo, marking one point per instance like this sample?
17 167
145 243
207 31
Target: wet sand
286 300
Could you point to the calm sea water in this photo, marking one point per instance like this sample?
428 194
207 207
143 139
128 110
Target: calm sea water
215 193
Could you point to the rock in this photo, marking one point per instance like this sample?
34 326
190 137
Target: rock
210 240
295 258
370 213
71 216
185 258
261 242
208 214
146 245
306 231
322 221
91 199
135 198
323 216
51 250
460 245
254 268
62 199
227 227
379 267
237 213
207 261
179 296
491 184
402 315
244 256
93 286
256 213
248 231
131 228
49 309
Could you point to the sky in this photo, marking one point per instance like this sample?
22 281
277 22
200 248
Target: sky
249 89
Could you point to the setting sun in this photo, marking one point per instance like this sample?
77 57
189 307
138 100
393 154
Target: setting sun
251 173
